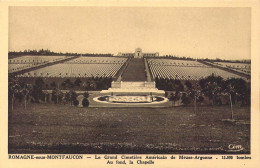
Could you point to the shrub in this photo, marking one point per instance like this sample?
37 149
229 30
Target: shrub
166 94
185 99
75 102
85 102
86 94
103 98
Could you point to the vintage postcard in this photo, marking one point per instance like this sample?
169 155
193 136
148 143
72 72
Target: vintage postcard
120 84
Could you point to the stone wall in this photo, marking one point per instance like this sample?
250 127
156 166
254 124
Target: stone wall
116 84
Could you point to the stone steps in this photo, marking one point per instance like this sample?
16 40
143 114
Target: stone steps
135 70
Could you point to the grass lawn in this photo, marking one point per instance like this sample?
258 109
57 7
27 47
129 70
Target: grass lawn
50 128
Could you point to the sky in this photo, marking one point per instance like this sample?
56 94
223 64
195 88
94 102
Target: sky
192 32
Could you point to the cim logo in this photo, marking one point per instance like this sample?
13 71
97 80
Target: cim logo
235 148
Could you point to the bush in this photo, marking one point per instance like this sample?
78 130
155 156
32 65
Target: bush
75 102
166 94
85 102
86 94
185 99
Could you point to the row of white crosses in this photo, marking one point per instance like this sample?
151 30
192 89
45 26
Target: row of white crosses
187 72
75 70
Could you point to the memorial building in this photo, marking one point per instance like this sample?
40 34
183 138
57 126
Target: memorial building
138 54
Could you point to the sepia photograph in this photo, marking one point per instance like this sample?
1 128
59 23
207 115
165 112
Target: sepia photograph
129 80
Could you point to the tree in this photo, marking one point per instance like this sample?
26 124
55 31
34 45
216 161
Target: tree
60 97
63 85
236 88
39 82
84 85
26 90
241 90
70 84
230 91
74 95
174 97
53 95
37 89
67 97
71 96
194 91
176 86
77 82
92 84
13 89
67 84
53 84
212 87
45 96
56 94
188 84
185 99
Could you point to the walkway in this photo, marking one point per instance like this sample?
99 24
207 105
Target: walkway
135 70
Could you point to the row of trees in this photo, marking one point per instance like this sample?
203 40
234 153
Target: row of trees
22 91
176 57
169 84
18 91
94 83
248 61
213 88
69 97
52 53
206 59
